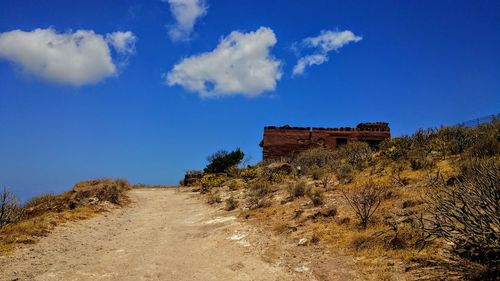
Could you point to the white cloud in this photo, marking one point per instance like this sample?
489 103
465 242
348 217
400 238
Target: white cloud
322 44
185 12
74 58
309 60
123 42
240 64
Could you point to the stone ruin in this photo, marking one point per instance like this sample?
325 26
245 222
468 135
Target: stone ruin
286 141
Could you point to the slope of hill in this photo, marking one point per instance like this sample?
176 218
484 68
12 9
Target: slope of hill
424 206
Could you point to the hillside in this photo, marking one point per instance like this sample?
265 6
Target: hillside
424 206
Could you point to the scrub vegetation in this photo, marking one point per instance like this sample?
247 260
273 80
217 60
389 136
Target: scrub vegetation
426 205
25 223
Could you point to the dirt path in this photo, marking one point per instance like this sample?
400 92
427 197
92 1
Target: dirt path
164 235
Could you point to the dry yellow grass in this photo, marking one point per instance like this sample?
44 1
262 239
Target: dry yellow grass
28 231
294 220
41 215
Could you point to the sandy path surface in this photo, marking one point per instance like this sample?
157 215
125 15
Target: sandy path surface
163 235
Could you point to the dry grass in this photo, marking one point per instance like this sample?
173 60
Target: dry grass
41 214
395 243
390 245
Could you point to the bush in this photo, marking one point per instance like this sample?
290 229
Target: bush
453 140
231 204
234 184
396 148
467 214
42 204
317 172
316 157
419 161
486 146
257 194
297 189
259 189
10 211
221 161
109 193
211 180
273 176
249 174
421 139
316 195
345 173
364 201
396 175
357 154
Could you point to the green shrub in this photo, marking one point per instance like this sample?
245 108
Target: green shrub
273 176
396 148
211 180
316 157
345 173
249 174
454 140
221 161
356 153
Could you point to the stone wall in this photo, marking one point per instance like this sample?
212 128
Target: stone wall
286 141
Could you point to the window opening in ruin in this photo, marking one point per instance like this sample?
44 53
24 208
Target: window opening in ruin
341 142
374 144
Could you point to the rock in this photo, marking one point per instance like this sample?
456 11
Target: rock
92 200
302 242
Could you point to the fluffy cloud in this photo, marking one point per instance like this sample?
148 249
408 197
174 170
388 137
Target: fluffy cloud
240 64
185 12
322 44
74 58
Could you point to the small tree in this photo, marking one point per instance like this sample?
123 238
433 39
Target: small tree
221 161
364 201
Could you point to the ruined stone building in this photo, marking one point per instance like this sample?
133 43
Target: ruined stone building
286 141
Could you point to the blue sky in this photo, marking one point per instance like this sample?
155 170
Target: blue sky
113 110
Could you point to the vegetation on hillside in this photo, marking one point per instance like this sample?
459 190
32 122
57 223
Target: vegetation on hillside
429 201
23 224
221 161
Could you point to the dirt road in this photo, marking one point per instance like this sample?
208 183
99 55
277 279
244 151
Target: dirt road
164 235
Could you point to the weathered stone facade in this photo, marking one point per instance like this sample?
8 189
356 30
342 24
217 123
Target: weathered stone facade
288 141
